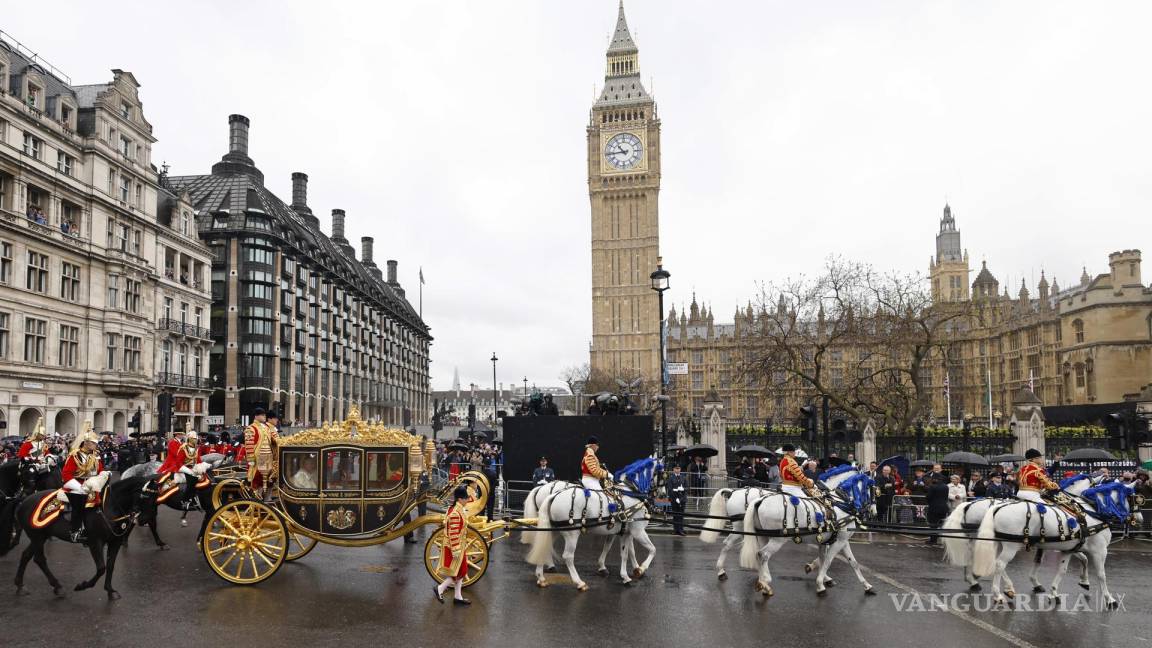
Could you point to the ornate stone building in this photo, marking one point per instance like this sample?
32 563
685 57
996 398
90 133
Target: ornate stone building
297 320
623 187
86 236
1090 343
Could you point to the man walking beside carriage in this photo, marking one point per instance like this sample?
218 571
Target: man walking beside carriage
260 438
453 560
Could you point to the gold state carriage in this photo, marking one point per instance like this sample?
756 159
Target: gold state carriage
349 484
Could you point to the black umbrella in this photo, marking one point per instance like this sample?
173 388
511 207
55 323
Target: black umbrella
832 462
753 451
1005 458
702 450
458 445
676 446
922 463
10 439
1089 454
969 458
141 435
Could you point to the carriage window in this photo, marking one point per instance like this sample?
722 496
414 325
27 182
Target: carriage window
301 470
385 469
342 470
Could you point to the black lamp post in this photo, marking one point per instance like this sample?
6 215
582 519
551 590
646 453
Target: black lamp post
494 358
660 284
525 390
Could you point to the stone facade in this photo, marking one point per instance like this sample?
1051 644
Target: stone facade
624 186
83 250
1089 343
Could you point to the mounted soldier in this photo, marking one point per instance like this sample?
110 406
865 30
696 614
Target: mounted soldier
184 464
1034 479
84 476
35 457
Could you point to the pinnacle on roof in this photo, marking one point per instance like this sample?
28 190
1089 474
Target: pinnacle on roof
1084 278
622 42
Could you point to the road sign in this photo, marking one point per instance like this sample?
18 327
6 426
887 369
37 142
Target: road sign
677 368
214 420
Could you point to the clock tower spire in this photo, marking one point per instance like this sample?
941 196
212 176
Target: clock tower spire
623 187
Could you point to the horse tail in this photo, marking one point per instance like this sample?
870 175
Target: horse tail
716 510
529 512
955 548
541 552
750 548
984 557
7 520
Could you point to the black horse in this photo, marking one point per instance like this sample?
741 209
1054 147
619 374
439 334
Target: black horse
202 499
125 503
16 482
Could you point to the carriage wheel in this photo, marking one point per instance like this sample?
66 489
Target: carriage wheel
475 552
299 545
478 484
227 490
245 542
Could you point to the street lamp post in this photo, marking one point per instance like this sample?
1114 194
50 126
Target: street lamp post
525 390
494 358
660 284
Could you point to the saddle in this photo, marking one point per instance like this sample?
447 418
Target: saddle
53 504
167 487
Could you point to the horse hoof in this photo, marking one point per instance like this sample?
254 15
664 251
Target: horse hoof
113 595
582 587
1037 589
1113 605
868 591
974 587
808 568
164 547
1010 593
551 569
829 583
768 591
1085 586
183 523
822 593
627 583
722 576
20 591
603 571
637 573
541 583
760 586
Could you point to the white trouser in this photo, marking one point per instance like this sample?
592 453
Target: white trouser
75 487
1030 495
793 490
591 483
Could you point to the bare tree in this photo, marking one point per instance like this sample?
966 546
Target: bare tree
585 379
864 339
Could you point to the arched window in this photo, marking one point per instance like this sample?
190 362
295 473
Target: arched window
1078 328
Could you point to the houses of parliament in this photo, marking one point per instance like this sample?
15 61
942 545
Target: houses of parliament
1088 343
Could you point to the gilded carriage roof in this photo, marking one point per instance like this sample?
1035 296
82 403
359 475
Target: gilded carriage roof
352 431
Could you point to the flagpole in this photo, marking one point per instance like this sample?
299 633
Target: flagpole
421 294
948 398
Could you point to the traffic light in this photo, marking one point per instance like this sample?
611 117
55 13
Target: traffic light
135 422
164 413
808 423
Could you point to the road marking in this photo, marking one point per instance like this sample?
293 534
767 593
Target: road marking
983 625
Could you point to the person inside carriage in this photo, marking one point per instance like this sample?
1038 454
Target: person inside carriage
79 474
1034 479
35 457
184 464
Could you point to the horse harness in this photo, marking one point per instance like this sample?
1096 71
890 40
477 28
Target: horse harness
1081 533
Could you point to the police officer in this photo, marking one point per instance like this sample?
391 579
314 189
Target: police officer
676 488
543 474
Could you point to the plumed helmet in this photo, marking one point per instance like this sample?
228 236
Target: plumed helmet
191 438
1032 454
38 433
86 435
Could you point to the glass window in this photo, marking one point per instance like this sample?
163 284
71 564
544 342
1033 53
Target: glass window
35 339
300 470
385 470
4 333
342 470
5 262
37 277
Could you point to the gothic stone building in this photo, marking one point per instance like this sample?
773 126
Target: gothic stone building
297 321
1090 343
95 265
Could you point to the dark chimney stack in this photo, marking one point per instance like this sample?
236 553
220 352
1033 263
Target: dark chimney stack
366 251
299 189
392 271
338 225
238 134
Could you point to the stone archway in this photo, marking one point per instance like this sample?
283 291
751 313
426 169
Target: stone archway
28 420
98 421
65 423
118 422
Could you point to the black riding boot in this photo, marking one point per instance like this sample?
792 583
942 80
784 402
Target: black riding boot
77 501
189 492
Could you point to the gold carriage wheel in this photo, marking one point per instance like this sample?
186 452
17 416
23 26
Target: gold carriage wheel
226 491
245 542
299 545
475 551
478 483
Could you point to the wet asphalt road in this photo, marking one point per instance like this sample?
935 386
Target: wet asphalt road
352 597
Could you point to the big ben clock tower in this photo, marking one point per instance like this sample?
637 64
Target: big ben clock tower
624 186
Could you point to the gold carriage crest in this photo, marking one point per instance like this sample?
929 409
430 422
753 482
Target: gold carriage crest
341 518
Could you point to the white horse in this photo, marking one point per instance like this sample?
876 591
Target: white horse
532 504
729 503
1006 527
967 517
577 510
783 517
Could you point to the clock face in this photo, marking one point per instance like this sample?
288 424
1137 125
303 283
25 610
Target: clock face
624 151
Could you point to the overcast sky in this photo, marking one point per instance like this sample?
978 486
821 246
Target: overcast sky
453 132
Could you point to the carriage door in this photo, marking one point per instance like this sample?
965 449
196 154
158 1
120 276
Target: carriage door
386 492
341 495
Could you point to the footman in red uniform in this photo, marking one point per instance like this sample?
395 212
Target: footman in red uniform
452 560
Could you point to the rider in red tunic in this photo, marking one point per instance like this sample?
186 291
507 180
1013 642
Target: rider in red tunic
83 464
453 560
184 462
1033 479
